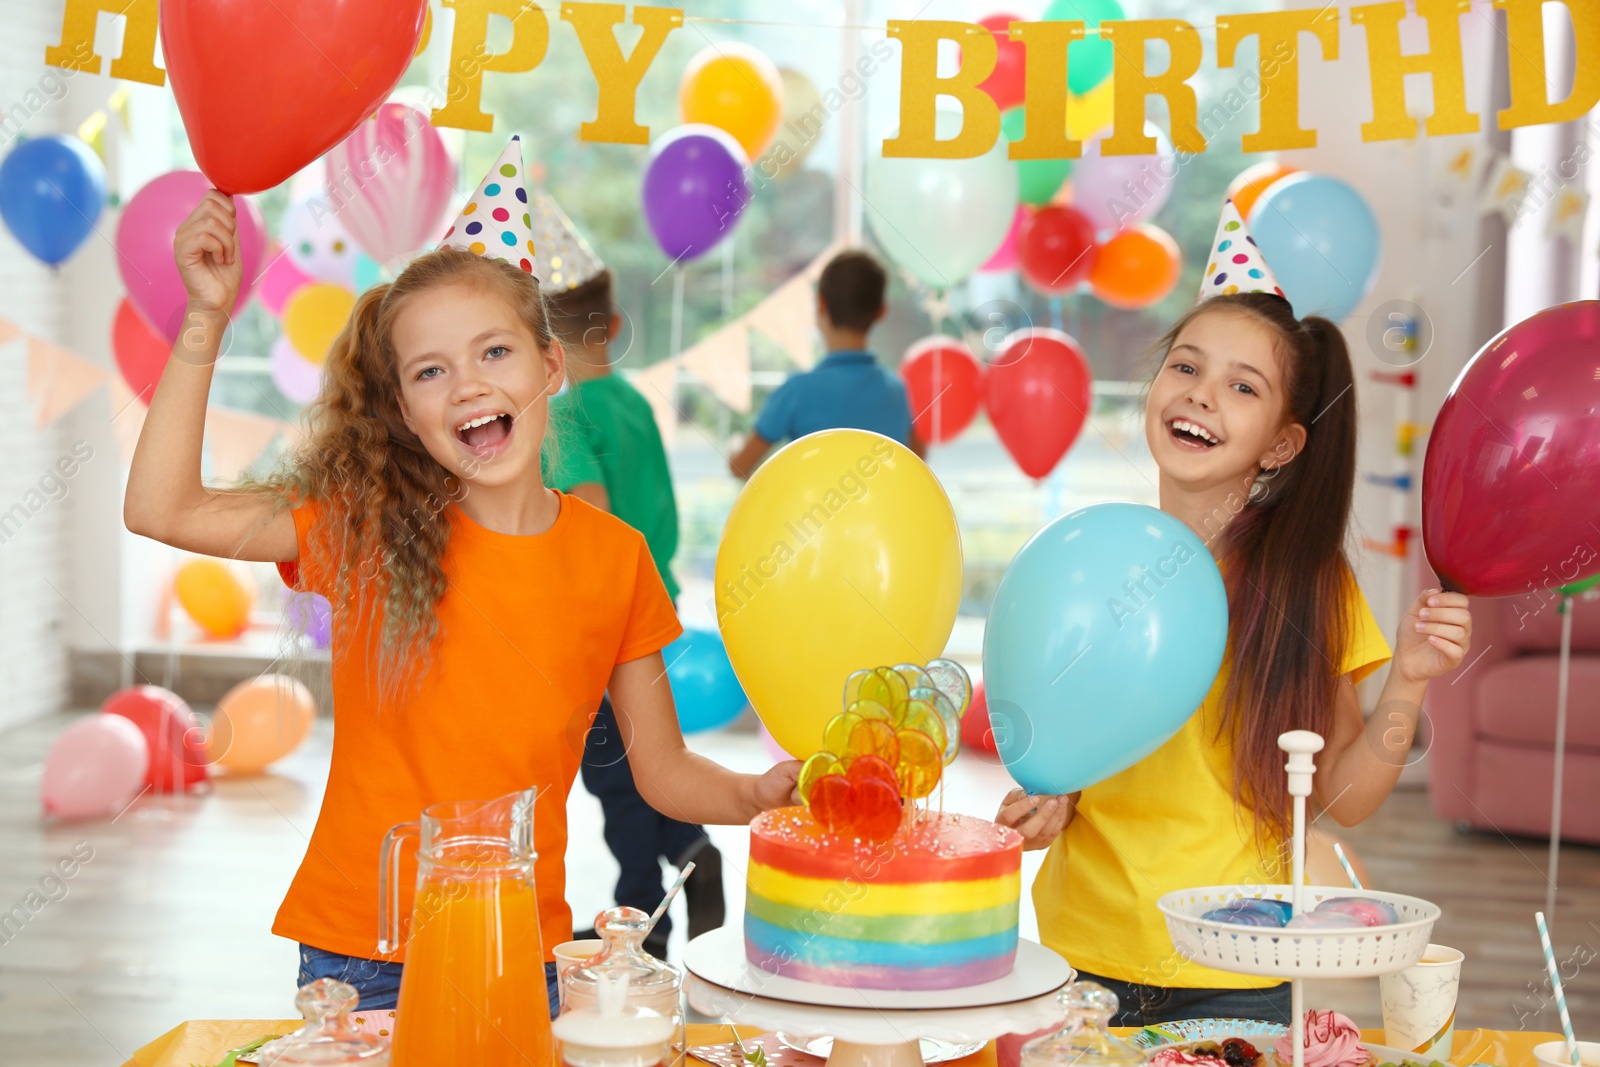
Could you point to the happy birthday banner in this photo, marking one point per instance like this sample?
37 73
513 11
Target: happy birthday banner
1281 36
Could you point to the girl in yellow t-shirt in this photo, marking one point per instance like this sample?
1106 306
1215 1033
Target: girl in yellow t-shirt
1251 419
479 616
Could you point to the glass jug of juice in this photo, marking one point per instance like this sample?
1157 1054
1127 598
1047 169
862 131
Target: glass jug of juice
473 989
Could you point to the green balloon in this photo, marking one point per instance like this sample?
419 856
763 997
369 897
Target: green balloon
1089 60
1037 179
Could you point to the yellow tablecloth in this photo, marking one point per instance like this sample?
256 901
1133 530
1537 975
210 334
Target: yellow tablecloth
206 1041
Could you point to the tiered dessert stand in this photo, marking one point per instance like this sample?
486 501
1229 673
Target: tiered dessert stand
1297 954
872 1027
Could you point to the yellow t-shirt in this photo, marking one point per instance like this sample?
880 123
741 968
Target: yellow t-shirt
1168 822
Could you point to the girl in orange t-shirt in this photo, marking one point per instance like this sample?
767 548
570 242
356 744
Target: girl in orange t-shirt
478 615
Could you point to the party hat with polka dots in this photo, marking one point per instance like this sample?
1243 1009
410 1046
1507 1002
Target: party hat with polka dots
1235 264
565 260
495 222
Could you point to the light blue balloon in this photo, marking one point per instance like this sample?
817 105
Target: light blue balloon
704 686
368 272
1321 239
1106 634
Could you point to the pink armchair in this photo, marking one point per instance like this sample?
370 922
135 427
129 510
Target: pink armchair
1494 723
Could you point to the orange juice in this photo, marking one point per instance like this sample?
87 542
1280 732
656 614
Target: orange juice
473 989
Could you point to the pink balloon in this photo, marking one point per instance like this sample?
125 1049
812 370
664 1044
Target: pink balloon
296 377
95 768
144 247
279 279
391 181
1118 191
769 744
1005 257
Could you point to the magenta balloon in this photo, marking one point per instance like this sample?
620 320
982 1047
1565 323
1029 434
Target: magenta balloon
694 189
1118 191
95 768
1511 481
391 181
1005 257
144 247
279 279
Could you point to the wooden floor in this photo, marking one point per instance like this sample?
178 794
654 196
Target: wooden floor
168 917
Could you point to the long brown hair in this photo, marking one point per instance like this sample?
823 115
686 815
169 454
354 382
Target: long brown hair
1283 555
383 498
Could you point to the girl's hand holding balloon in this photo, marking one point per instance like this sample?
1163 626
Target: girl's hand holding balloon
1434 636
1039 820
206 248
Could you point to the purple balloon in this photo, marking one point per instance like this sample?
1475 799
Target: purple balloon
694 189
311 615
1118 191
144 247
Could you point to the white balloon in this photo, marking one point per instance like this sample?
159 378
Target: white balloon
318 242
296 377
941 219
1118 191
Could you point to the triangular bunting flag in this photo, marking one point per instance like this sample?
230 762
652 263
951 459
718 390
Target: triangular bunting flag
127 417
1567 214
58 380
1507 188
658 383
92 132
789 318
236 439
118 103
8 332
722 361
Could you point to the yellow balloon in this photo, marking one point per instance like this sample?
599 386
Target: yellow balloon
735 88
259 722
841 553
313 316
1091 113
214 596
801 127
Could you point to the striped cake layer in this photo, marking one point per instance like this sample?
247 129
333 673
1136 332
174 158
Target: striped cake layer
936 908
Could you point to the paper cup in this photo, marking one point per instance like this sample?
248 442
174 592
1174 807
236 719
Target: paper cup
1419 1004
569 954
1554 1054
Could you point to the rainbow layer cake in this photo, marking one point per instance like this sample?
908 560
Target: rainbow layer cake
932 907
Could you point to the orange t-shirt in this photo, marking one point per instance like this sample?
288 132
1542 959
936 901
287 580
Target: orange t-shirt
529 630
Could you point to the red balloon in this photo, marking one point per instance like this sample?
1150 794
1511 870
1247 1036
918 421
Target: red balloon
140 352
976 733
1056 248
1513 467
177 740
1005 85
265 88
945 383
1038 391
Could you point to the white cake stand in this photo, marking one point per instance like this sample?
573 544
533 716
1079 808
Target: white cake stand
873 1027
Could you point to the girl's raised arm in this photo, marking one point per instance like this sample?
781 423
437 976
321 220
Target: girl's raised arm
166 499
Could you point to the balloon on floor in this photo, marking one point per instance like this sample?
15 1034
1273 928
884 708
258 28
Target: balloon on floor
1039 392
704 686
1510 480
258 722
944 382
228 62
95 769
841 552
215 596
1321 238
52 190
1106 633
173 736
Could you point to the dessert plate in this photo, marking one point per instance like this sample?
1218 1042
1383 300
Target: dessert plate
1153 1037
933 1050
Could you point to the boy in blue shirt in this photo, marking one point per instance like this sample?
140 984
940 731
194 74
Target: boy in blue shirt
848 389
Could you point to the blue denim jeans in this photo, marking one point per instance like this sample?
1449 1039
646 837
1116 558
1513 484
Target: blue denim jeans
378 981
1146 1005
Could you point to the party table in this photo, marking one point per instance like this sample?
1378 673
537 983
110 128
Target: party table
206 1041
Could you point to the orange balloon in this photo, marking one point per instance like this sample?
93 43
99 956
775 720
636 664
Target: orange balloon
215 597
735 88
1136 268
259 722
1247 188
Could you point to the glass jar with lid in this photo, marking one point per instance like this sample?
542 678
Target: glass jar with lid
614 1032
329 1036
652 984
1083 1040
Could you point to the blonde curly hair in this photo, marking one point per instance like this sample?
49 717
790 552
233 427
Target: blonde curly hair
383 498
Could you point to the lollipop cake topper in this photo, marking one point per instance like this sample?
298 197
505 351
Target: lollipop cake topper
495 223
900 727
1234 263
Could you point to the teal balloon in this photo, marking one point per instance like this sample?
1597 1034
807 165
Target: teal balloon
368 273
704 686
1106 633
1037 179
1322 240
1089 60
